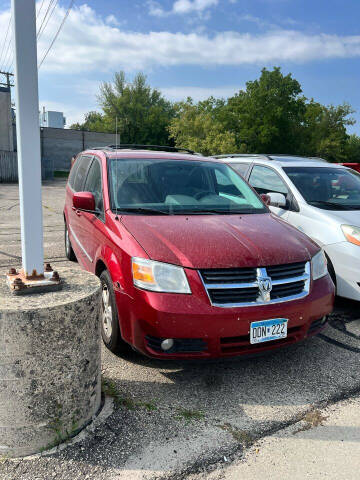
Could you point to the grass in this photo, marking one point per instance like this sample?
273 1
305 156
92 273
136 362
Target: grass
241 436
109 388
60 174
190 415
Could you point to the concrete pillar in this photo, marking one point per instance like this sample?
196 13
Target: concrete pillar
6 124
50 378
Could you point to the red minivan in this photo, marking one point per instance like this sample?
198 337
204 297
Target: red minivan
192 263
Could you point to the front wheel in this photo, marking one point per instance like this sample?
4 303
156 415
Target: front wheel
110 330
69 252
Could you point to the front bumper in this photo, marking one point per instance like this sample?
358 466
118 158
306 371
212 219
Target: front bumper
345 258
225 331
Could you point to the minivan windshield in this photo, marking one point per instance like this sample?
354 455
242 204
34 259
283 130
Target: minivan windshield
169 187
326 187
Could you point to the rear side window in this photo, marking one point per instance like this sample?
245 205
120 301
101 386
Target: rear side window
80 174
265 180
240 167
93 184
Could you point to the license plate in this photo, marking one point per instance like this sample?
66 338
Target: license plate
268 330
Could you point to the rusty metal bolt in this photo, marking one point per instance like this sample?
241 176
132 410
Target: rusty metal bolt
56 276
18 284
48 267
12 271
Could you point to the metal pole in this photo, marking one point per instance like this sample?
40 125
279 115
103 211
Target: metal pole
28 135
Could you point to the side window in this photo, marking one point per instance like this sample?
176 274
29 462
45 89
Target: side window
73 173
80 173
266 180
93 184
240 168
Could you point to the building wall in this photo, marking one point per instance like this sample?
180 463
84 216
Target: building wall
6 133
59 145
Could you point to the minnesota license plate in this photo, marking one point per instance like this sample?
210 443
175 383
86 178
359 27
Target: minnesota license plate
268 330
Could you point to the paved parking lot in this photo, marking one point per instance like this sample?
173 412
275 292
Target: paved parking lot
177 419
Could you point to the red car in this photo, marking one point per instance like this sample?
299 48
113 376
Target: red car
192 262
354 166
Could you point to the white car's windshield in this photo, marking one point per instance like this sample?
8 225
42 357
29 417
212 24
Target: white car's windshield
165 186
327 188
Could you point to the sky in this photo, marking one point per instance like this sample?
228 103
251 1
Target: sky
194 48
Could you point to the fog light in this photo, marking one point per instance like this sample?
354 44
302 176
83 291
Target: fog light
167 344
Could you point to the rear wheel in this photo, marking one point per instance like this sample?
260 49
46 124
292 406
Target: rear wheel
69 252
110 330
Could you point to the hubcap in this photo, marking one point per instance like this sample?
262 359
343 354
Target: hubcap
106 313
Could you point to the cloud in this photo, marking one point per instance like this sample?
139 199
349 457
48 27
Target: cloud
181 7
198 93
104 48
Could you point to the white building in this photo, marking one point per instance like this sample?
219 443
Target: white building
52 119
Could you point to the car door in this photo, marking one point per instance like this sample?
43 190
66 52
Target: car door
92 224
75 224
266 180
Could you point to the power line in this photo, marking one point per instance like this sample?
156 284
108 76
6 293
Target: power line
39 11
46 17
57 33
6 36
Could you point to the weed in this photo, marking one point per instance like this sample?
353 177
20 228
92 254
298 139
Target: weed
109 388
313 419
189 415
241 436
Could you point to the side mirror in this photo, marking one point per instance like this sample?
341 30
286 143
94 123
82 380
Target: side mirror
265 198
277 199
84 201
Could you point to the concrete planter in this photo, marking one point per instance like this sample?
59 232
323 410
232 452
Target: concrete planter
50 378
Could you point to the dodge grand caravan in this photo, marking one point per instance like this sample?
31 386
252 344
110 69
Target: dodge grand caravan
192 263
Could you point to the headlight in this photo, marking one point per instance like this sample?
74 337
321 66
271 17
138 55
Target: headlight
352 234
159 277
319 265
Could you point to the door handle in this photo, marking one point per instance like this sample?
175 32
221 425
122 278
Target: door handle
78 213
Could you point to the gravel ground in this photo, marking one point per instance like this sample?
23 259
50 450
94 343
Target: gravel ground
175 419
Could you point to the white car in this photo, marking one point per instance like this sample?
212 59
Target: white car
321 199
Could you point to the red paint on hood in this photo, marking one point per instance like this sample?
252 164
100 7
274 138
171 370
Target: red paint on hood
220 241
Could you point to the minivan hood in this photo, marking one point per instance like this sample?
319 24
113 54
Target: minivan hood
220 241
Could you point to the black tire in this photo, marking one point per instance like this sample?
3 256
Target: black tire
109 321
69 252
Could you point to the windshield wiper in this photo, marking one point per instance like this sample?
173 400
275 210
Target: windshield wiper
144 210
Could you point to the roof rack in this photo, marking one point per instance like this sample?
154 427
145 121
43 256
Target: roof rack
163 148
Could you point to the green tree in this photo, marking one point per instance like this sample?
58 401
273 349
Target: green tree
267 116
199 127
94 122
325 132
353 148
143 113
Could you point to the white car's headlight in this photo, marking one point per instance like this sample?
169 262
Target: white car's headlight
159 277
352 234
319 266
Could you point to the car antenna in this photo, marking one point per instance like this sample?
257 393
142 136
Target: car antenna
116 170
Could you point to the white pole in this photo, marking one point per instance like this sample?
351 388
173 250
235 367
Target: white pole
28 135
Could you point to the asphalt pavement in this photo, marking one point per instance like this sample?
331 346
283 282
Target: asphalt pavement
176 420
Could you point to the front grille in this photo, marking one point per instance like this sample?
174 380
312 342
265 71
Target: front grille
229 275
277 272
287 289
233 295
253 286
